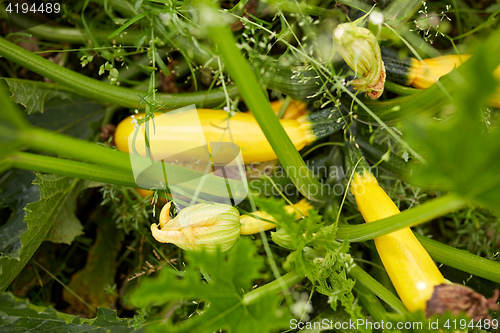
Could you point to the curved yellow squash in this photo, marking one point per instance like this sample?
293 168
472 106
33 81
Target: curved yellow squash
411 269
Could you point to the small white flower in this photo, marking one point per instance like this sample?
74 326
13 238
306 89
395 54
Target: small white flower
165 18
302 307
376 18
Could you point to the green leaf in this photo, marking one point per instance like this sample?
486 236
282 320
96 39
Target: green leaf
63 110
231 273
33 95
330 317
66 226
317 255
129 22
77 117
39 218
98 274
18 315
310 232
16 192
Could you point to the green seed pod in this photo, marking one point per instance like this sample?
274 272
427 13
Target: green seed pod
199 227
360 50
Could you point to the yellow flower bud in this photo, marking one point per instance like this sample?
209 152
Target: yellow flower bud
360 50
251 225
198 227
283 239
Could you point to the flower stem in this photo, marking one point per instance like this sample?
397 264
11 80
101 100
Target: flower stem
287 280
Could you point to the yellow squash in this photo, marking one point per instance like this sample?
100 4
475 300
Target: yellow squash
411 269
424 74
241 129
417 280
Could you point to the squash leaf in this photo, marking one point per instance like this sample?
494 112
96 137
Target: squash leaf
33 95
37 221
17 191
66 226
231 274
18 315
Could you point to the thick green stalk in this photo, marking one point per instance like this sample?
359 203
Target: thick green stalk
100 91
284 282
426 212
70 168
460 259
250 89
366 280
48 142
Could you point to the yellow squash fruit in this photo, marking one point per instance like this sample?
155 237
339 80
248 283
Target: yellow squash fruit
241 129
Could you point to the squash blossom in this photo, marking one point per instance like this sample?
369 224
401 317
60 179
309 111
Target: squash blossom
360 50
199 227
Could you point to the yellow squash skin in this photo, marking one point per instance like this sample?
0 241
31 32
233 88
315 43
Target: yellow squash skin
422 76
294 110
411 269
244 129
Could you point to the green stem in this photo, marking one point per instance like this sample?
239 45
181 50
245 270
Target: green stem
366 280
70 168
287 280
65 34
399 89
48 142
460 259
254 98
426 212
306 9
45 141
401 10
100 91
370 302
5 165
